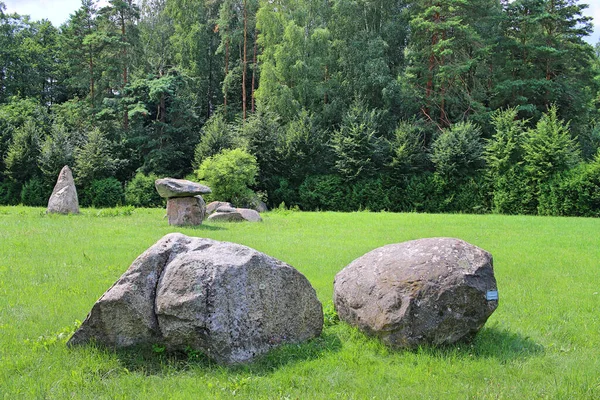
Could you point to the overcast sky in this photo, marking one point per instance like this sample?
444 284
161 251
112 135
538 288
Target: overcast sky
58 11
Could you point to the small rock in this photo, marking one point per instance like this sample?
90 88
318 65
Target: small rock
64 196
226 209
169 188
427 291
186 210
212 207
226 217
248 215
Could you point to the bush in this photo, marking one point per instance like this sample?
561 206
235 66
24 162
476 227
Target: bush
424 193
573 193
408 148
141 192
504 159
510 193
106 192
9 193
458 151
35 193
324 192
230 174
549 149
283 193
370 194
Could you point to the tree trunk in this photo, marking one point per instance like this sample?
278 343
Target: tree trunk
254 68
210 76
226 73
245 63
124 51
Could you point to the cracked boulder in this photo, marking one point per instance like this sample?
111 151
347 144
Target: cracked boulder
226 300
182 211
429 291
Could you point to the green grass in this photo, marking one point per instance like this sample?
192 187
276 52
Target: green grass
543 341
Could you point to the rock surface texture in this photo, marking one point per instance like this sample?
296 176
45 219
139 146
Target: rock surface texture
186 210
64 196
212 206
227 216
427 291
185 206
229 301
169 188
249 215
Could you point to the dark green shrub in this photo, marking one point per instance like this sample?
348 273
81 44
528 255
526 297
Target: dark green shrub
35 193
141 192
504 164
358 151
106 192
9 193
283 193
549 149
467 196
408 148
424 193
369 194
573 193
458 151
324 192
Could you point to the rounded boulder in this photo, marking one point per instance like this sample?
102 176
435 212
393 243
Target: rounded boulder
427 291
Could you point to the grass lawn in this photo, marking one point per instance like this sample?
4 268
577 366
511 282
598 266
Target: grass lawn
543 341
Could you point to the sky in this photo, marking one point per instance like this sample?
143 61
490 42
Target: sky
58 11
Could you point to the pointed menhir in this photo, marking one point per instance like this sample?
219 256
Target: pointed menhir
64 196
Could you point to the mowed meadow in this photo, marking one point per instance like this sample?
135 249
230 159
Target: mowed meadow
543 341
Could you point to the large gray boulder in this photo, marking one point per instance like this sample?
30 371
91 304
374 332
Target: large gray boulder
428 291
226 300
182 211
169 187
64 196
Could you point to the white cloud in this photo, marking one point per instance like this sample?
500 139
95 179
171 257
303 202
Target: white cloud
57 11
594 11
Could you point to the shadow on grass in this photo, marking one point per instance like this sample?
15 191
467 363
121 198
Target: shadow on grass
159 362
491 342
204 227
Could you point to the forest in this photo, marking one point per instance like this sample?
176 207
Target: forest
442 106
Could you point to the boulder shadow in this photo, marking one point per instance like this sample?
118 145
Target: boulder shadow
490 343
203 227
157 361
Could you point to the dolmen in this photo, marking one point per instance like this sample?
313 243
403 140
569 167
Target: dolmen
433 291
226 212
228 301
185 205
64 196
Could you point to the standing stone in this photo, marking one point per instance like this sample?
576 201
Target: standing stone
64 196
185 210
226 300
428 291
169 188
